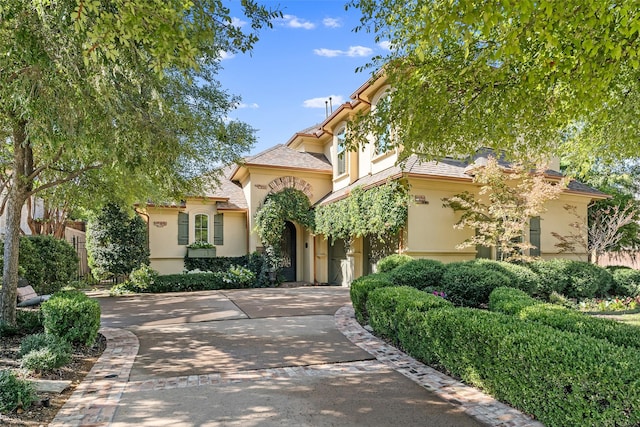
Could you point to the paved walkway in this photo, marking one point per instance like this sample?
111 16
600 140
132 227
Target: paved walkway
262 357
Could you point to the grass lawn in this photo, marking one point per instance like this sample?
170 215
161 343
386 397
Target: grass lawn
632 318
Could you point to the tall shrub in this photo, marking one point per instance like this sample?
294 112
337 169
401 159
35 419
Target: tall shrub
117 242
72 316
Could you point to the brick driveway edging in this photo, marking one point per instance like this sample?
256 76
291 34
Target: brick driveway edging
94 401
472 401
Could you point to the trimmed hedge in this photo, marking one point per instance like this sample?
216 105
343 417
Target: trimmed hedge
254 262
560 377
386 306
72 316
390 262
626 282
520 277
418 273
360 289
575 279
469 284
510 300
189 282
565 319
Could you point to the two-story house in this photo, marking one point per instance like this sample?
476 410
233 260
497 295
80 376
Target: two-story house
316 162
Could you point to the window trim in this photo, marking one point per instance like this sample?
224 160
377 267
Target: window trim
341 136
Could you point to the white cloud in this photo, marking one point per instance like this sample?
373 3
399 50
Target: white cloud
226 55
386 45
332 22
237 22
354 51
321 102
252 106
293 21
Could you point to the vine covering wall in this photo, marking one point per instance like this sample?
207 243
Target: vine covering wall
287 205
379 212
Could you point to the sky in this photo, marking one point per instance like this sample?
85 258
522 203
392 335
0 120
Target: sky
309 55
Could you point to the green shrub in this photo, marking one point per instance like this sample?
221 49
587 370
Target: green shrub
418 273
390 262
510 300
360 289
575 279
626 282
143 277
47 263
386 306
469 284
238 276
188 282
44 352
565 319
15 392
72 316
573 321
562 378
521 277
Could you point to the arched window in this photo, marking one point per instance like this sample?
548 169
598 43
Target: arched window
201 228
341 154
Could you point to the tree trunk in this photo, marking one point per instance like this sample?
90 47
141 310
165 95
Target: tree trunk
16 199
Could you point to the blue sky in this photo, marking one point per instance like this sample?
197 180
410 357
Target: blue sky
308 56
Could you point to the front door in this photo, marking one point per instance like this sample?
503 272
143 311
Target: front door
289 252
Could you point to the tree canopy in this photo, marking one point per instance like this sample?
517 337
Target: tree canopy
120 94
528 77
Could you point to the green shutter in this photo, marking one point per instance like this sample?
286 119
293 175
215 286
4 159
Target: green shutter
218 229
534 236
183 228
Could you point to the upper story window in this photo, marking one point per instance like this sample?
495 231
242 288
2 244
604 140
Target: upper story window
383 140
201 228
341 153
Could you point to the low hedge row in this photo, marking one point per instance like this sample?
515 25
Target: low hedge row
573 279
360 289
626 282
565 319
561 377
387 306
190 282
73 316
418 273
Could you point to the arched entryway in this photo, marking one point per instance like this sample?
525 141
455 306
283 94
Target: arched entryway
288 270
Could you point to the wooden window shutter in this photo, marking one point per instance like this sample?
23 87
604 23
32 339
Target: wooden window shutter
534 236
183 228
218 229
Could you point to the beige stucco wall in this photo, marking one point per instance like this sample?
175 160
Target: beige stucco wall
557 219
430 232
256 186
167 257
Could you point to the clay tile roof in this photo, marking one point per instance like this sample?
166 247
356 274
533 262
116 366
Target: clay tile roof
282 156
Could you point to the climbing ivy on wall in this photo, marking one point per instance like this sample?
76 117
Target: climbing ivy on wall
286 205
379 212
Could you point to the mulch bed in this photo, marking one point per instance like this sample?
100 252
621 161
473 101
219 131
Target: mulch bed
82 361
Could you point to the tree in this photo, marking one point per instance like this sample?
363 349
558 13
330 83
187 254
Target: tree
118 92
507 200
117 242
528 77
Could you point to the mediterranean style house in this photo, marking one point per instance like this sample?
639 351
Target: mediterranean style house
315 162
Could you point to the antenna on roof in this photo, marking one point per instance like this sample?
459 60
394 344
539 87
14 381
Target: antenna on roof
331 104
326 109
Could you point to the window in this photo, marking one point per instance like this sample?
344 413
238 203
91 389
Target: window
381 146
201 228
534 236
341 153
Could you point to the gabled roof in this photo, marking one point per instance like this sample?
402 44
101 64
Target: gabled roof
447 169
228 190
285 157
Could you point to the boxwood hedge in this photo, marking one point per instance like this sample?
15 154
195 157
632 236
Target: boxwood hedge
360 289
575 279
72 316
561 377
390 262
626 282
418 273
469 284
386 306
565 319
